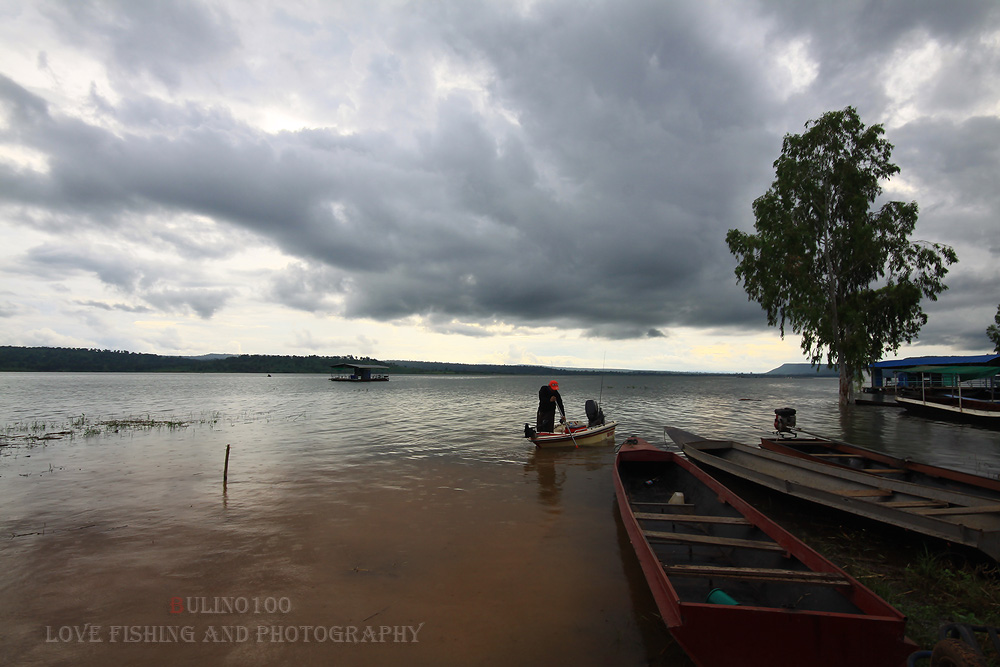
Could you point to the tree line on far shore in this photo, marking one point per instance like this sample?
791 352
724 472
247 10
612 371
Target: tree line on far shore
60 360
82 360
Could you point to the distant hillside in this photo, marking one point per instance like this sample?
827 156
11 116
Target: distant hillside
80 360
59 359
804 369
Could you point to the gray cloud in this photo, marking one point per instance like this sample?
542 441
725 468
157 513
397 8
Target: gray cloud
590 184
116 306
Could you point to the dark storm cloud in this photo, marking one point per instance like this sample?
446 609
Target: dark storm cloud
957 164
631 137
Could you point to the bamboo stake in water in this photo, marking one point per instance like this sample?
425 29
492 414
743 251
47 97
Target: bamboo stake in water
225 472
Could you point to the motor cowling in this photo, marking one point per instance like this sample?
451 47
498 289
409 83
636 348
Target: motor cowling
784 420
529 432
595 415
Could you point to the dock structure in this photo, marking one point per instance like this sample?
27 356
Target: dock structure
936 372
358 373
960 388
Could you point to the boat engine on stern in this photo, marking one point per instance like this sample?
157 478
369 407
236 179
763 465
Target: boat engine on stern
784 420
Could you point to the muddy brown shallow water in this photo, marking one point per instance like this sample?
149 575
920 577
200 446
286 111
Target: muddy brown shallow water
425 562
410 524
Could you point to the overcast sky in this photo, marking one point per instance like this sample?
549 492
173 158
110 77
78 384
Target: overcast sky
486 182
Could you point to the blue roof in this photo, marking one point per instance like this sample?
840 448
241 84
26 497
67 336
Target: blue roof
978 360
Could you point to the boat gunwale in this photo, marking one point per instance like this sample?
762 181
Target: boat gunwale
546 440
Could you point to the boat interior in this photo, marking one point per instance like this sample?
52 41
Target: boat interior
711 553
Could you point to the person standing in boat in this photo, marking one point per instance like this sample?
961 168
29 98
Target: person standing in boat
548 400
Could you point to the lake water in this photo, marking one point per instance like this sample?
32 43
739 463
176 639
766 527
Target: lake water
406 521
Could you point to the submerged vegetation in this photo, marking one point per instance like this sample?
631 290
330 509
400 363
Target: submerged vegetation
37 431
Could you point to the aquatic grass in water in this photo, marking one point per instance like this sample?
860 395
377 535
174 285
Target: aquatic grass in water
34 432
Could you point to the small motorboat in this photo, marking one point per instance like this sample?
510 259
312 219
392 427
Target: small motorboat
574 433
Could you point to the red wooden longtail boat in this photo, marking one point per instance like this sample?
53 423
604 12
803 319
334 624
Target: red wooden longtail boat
732 586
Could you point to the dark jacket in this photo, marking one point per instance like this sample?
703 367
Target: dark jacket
545 403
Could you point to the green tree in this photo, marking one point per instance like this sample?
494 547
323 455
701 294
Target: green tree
826 263
993 331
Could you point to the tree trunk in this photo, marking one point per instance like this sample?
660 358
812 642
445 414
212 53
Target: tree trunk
846 384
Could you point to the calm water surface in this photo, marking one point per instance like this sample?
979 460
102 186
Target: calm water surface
411 512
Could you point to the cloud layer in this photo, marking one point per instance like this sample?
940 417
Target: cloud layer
476 168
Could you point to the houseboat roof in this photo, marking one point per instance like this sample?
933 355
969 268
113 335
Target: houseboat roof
938 364
359 366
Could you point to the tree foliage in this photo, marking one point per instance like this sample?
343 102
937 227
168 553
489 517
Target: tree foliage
993 331
827 264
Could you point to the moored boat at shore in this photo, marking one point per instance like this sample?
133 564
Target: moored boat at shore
735 588
855 457
953 406
961 518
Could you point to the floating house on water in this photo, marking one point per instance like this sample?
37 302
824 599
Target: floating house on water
358 373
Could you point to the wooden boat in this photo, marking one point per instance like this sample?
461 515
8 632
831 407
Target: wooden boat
961 518
952 406
854 457
732 586
575 434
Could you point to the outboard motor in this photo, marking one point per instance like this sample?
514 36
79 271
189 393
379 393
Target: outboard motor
784 420
595 415
528 431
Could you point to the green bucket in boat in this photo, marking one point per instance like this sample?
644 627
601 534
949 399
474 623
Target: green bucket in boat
719 596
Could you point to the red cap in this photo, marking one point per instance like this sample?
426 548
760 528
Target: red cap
554 385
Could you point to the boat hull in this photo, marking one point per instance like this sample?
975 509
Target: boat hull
983 413
961 518
854 457
349 379
596 436
795 607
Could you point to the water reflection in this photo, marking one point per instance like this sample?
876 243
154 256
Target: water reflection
552 468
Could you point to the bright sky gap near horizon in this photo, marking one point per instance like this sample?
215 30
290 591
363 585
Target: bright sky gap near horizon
540 182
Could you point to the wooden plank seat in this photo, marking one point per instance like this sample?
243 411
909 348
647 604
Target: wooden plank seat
665 508
909 504
864 493
692 518
974 509
708 540
756 574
